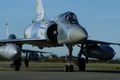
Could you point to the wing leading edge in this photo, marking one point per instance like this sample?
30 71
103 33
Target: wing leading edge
33 51
34 42
46 43
100 42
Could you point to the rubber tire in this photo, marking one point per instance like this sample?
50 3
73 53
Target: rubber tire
71 68
66 68
17 68
26 63
82 64
17 65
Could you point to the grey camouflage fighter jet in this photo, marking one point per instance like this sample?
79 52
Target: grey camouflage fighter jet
63 30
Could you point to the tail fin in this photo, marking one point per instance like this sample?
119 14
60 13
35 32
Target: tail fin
7 30
39 10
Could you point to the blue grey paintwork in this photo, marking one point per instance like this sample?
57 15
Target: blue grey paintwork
101 52
64 27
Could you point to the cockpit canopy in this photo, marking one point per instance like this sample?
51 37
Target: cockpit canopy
69 17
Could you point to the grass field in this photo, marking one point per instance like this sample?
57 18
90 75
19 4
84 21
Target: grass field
39 66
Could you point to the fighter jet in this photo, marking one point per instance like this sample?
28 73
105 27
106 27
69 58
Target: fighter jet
27 55
63 30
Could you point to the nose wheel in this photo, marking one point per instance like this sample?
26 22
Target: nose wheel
69 68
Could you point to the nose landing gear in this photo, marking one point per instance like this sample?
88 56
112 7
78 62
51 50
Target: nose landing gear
69 67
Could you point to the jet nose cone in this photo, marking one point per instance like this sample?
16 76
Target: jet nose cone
77 34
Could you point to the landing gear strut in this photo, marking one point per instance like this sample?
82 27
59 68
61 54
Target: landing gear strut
27 60
16 64
26 63
69 66
81 61
17 60
81 64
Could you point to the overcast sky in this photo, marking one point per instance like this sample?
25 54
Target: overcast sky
101 18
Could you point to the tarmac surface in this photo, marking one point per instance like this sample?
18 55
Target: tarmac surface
35 72
59 75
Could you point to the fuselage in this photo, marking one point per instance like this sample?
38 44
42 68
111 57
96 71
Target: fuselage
63 29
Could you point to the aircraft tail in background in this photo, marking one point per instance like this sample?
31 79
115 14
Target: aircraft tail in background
7 29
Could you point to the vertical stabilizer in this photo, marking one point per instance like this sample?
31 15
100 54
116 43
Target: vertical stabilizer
39 10
7 30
